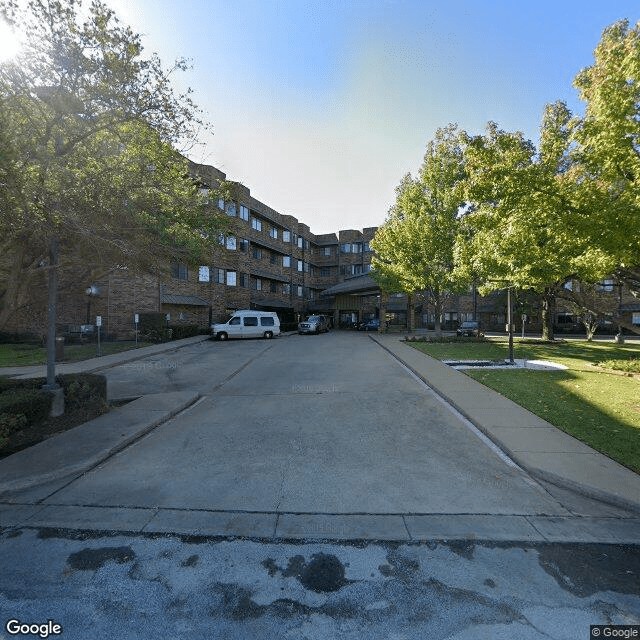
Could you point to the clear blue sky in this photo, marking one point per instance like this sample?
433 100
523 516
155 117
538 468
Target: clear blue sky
321 106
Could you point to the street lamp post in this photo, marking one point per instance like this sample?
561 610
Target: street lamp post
510 325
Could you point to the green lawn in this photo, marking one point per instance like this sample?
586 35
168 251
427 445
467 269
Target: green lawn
591 400
17 355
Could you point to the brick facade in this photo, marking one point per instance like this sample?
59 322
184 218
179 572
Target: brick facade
270 261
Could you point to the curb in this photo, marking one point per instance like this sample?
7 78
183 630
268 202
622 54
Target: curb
90 461
541 474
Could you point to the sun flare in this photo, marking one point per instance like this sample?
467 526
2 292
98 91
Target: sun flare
9 42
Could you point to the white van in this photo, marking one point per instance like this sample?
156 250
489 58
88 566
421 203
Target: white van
247 323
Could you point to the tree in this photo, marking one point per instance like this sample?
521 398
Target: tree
519 231
571 209
89 167
608 153
414 248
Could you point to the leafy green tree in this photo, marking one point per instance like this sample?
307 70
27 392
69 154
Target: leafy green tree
571 208
89 169
414 248
608 154
520 230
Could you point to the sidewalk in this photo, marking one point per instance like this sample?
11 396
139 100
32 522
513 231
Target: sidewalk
537 446
81 448
103 362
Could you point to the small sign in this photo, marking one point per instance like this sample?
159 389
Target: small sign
136 318
98 321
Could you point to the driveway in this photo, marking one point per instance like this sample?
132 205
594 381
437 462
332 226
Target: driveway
327 424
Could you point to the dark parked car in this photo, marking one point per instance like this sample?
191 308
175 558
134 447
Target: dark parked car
313 324
470 328
370 325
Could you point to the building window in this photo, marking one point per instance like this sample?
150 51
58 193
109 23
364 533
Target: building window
325 272
606 286
231 278
299 291
366 248
231 243
244 245
244 280
300 265
257 253
273 258
300 242
218 276
273 287
327 251
273 232
256 224
286 261
231 208
635 318
244 212
179 271
286 236
345 247
203 274
307 267
257 284
286 289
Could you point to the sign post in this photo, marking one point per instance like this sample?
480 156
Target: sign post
136 319
99 325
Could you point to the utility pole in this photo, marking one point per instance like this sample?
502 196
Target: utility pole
510 325
57 407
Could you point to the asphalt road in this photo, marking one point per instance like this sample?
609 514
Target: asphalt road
304 426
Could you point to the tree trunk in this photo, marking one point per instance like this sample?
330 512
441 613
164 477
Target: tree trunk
384 299
437 304
411 323
11 298
548 312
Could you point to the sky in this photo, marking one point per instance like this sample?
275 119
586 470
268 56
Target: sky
320 107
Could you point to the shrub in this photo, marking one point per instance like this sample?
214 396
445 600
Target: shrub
632 365
444 339
34 404
21 338
10 424
82 389
184 331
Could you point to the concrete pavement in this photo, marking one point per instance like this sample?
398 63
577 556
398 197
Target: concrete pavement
541 449
536 446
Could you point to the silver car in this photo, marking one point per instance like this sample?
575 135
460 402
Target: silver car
313 324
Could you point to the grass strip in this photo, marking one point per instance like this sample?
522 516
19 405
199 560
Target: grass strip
598 406
19 355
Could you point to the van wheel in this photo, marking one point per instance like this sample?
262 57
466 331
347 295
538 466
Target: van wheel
222 336
268 335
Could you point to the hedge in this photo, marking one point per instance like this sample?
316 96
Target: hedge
80 389
33 404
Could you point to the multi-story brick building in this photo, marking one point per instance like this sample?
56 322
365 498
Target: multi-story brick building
271 261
